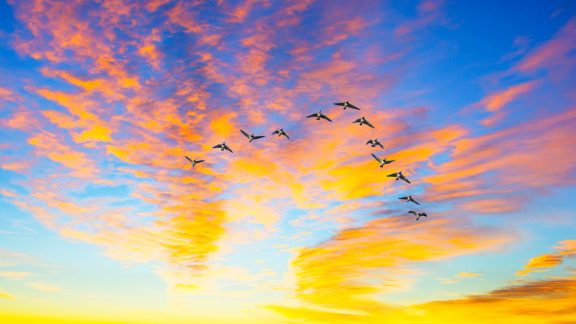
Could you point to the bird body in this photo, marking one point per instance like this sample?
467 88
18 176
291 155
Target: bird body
409 199
194 162
319 115
374 142
399 176
381 161
363 121
223 147
280 132
346 104
251 137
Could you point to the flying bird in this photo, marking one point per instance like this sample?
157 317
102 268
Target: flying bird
319 115
374 143
346 104
194 162
399 175
418 215
381 161
280 133
223 147
363 121
252 137
409 199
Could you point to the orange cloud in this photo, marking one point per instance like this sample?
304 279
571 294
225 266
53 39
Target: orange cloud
496 101
542 262
343 273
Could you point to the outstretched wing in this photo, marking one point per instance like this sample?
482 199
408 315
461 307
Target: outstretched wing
245 134
285 134
259 136
199 161
423 214
340 103
403 198
368 123
393 175
414 201
310 116
217 146
380 144
413 212
357 121
187 158
228 149
352 106
325 117
389 161
369 142
376 158
276 132
405 179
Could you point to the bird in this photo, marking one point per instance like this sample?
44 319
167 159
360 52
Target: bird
319 115
382 161
399 175
346 104
363 121
223 147
374 142
409 199
418 215
252 137
194 162
281 132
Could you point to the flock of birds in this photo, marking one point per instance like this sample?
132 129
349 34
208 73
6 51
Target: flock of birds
319 115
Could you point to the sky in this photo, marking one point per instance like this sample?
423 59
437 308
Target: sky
103 220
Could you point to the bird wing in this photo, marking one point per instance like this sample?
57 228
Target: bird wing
276 132
405 179
310 116
357 120
380 144
259 136
369 142
187 158
376 158
414 201
228 149
217 146
403 198
368 123
199 161
393 175
245 134
285 134
339 103
390 161
325 117
352 106
423 214
413 212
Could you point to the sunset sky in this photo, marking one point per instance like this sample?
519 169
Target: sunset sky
102 220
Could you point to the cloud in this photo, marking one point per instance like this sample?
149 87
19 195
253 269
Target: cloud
44 286
345 272
462 275
14 274
566 249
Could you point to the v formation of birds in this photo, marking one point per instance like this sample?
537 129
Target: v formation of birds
319 115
